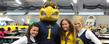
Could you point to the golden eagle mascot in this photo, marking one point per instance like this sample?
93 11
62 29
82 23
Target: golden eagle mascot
49 29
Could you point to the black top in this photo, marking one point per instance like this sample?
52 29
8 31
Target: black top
84 39
31 42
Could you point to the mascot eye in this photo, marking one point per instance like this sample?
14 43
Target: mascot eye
43 13
53 6
55 14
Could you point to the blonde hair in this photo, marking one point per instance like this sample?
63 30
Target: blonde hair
78 18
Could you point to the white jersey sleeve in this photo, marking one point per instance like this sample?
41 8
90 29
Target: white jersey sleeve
22 40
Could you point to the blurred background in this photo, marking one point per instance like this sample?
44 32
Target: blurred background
16 26
16 15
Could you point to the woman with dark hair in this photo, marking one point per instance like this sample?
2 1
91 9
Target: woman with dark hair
31 36
67 32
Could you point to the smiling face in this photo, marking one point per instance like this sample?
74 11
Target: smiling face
34 31
78 25
65 25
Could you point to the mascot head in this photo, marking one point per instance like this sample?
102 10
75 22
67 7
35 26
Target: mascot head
49 12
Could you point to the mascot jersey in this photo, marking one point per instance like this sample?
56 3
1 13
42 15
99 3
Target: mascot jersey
49 29
55 38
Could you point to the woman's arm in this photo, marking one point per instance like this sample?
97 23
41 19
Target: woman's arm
22 40
93 38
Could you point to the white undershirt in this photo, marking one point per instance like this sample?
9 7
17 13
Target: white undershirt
23 40
89 35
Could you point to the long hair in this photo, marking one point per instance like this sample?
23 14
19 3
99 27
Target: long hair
28 32
71 28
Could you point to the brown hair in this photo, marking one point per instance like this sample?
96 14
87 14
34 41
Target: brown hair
71 28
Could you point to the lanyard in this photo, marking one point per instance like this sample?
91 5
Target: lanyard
67 38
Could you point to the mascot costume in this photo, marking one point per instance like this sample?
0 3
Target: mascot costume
49 29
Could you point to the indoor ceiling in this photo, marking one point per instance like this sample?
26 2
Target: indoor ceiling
64 5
